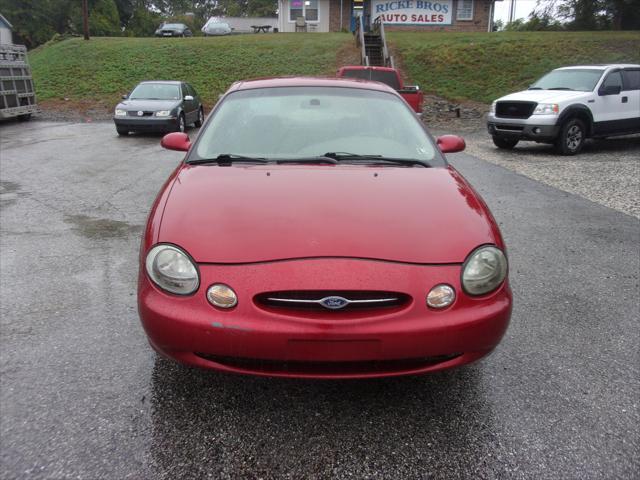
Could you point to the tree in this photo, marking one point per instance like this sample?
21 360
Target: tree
593 14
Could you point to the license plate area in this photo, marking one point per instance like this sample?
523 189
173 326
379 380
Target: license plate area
333 350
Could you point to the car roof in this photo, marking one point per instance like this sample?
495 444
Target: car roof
273 82
167 82
601 67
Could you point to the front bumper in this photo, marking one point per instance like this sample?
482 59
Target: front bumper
146 124
254 340
541 128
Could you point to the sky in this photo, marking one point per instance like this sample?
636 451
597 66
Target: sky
523 9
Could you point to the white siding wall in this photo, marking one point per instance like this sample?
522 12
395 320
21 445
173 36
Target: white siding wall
322 25
5 36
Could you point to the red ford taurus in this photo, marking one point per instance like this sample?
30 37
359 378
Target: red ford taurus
315 229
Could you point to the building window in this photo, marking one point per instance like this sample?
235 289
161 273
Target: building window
464 10
308 9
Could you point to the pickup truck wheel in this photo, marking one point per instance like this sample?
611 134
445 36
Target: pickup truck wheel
24 117
122 131
571 138
504 142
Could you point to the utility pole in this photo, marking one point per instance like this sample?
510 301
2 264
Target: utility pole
512 10
85 19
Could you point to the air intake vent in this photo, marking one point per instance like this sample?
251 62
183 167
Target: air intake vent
331 300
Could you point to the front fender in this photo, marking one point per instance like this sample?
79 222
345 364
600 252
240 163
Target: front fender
576 110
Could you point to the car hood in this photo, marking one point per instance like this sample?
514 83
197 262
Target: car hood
242 214
148 105
544 96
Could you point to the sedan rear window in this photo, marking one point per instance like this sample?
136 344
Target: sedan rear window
296 122
382 76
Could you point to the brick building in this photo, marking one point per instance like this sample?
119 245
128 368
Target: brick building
339 15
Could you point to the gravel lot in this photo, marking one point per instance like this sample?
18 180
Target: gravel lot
606 171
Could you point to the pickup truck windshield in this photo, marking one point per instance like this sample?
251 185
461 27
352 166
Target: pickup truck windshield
155 91
301 122
383 76
583 80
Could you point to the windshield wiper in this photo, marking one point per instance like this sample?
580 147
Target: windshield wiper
560 88
227 159
319 159
354 157
535 88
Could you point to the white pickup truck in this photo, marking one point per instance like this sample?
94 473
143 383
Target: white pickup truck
568 105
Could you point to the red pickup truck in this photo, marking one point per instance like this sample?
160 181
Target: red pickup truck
388 76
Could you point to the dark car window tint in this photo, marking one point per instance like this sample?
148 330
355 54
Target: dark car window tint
388 78
613 80
155 91
631 79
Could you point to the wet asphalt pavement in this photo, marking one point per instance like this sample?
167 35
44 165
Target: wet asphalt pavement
83 396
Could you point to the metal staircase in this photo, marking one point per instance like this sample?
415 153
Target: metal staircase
373 45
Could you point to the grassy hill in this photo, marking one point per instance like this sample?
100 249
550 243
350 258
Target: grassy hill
457 66
482 67
102 69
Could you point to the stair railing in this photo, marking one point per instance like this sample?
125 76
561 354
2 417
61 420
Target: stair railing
364 59
378 27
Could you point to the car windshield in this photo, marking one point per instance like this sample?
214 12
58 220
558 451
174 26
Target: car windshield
384 76
583 80
155 91
300 122
173 26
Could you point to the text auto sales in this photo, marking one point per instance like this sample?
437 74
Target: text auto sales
412 11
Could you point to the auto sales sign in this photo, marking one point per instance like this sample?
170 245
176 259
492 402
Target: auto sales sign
412 12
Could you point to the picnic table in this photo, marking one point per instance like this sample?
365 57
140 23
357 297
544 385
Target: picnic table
261 28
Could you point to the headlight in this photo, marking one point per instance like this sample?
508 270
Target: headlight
120 112
484 270
172 270
493 108
163 113
546 109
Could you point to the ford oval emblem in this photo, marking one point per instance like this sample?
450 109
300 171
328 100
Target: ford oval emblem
334 303
140 113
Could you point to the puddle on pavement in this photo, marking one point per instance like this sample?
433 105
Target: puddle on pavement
92 227
9 193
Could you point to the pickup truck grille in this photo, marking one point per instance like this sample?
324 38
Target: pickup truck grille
515 109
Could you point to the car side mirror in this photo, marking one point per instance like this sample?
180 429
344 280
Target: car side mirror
125 96
176 141
451 143
610 90
188 98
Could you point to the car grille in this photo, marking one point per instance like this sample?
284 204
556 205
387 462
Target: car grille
327 368
134 113
331 300
515 109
